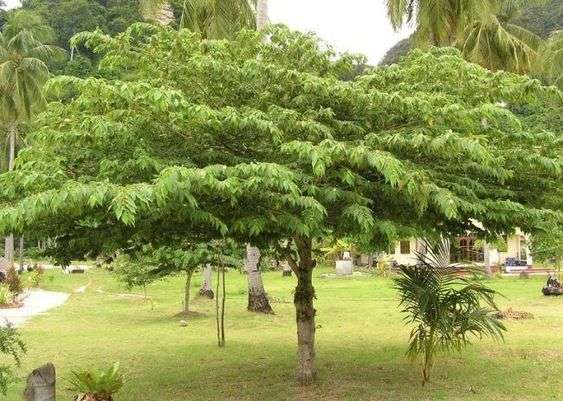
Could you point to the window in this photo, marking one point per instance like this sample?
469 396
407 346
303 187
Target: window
466 249
405 247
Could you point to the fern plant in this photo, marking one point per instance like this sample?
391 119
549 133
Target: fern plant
444 307
96 385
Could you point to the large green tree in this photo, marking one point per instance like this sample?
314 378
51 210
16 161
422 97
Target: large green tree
264 143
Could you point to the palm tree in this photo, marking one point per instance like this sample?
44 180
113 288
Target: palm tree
438 22
480 28
261 14
551 60
214 19
443 306
22 74
497 44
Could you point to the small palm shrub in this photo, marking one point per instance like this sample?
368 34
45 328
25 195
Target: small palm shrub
96 385
444 307
6 296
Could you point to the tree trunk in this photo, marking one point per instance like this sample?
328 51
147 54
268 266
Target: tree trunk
187 287
370 260
206 289
41 384
9 243
257 298
486 251
220 311
261 14
20 256
305 312
286 269
165 15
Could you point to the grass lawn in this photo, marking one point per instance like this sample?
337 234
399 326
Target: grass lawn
360 344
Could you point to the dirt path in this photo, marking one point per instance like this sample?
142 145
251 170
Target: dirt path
37 302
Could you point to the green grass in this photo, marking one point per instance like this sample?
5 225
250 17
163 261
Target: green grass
361 342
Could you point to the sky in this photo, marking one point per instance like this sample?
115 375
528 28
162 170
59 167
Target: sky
357 26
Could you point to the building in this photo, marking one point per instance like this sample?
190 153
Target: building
514 253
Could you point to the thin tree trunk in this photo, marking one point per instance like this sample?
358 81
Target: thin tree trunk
21 252
305 312
487 252
9 243
257 298
187 287
261 14
286 269
206 289
220 312
223 300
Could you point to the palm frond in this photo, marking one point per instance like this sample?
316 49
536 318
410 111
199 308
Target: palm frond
444 307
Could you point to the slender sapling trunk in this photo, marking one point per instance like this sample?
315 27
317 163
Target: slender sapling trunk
187 287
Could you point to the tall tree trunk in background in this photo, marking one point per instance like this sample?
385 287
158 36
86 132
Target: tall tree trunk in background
9 243
21 252
206 289
487 257
165 15
257 298
261 14
286 269
305 311
187 287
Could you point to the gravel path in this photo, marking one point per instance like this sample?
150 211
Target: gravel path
36 302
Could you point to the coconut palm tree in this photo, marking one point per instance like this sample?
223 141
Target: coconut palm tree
438 22
261 14
497 44
214 19
22 73
480 28
551 60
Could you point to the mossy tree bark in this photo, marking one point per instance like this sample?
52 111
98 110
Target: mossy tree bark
305 311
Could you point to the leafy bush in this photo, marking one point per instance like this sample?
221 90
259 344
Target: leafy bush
34 279
36 276
13 281
444 307
99 385
12 346
6 296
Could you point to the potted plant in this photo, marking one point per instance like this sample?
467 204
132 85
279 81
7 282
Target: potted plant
96 385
